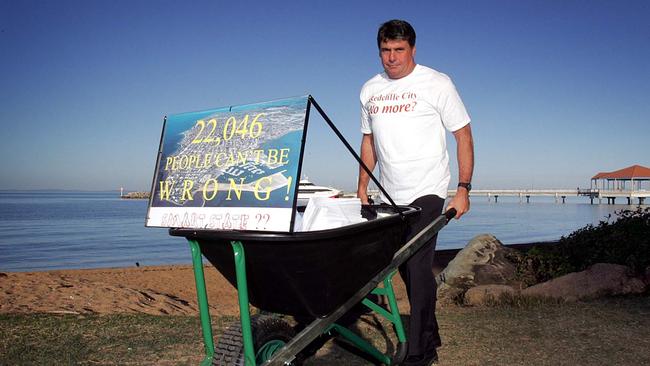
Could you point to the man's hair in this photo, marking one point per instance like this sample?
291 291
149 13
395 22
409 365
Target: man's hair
396 29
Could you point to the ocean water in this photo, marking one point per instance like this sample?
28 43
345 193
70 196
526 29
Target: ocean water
67 230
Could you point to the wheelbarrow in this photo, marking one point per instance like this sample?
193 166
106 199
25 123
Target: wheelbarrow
318 275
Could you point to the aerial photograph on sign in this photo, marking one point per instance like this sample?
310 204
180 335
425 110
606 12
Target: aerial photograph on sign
243 156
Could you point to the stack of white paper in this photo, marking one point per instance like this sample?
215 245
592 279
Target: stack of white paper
327 213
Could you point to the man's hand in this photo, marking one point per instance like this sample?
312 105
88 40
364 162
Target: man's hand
363 196
460 202
369 158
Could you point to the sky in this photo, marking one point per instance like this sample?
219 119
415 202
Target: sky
557 90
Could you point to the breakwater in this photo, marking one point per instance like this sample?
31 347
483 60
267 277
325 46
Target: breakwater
136 195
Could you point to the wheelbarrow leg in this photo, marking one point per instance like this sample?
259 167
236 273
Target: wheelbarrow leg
202 296
242 294
393 315
361 343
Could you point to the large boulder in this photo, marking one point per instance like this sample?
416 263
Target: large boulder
483 261
601 279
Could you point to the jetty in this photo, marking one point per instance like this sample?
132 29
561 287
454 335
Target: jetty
494 194
561 194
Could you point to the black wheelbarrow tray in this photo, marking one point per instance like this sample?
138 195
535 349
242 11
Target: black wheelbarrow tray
317 275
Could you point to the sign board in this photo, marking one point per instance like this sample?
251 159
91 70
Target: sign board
232 168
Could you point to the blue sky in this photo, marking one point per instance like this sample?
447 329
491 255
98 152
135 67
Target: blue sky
557 90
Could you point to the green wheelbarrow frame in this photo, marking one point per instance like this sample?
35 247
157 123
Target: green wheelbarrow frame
283 354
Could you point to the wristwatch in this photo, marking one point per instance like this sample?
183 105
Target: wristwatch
467 186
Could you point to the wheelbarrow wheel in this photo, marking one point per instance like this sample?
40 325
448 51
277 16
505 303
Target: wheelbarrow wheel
270 334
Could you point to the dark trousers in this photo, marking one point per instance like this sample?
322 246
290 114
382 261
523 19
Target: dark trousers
417 273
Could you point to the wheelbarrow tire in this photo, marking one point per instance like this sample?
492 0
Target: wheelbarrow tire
269 335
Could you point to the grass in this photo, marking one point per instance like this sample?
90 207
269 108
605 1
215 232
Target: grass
605 332
101 340
72 340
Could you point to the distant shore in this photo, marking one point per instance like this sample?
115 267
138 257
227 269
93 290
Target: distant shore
136 195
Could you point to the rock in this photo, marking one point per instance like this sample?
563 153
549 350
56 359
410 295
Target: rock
448 295
484 261
647 276
601 279
481 295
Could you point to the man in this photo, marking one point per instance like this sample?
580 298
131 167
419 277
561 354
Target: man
404 114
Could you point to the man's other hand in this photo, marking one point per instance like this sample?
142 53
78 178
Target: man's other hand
460 202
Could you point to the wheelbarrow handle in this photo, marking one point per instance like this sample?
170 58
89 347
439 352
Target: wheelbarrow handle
450 214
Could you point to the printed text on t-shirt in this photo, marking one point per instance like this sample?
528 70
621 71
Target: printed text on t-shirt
405 102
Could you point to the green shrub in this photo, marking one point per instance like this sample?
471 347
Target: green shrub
624 241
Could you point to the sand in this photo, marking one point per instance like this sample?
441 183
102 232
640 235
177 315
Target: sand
150 290
157 290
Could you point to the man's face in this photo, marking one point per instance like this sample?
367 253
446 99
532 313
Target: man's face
397 57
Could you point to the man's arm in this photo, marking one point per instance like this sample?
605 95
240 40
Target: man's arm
465 156
369 158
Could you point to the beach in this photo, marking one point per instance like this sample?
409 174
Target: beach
156 290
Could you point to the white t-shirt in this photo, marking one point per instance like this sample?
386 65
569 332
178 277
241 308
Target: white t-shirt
408 118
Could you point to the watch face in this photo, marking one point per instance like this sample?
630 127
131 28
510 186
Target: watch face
467 186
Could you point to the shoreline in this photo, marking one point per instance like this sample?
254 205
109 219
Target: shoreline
441 258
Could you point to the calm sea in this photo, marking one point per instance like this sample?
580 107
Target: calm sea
65 230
